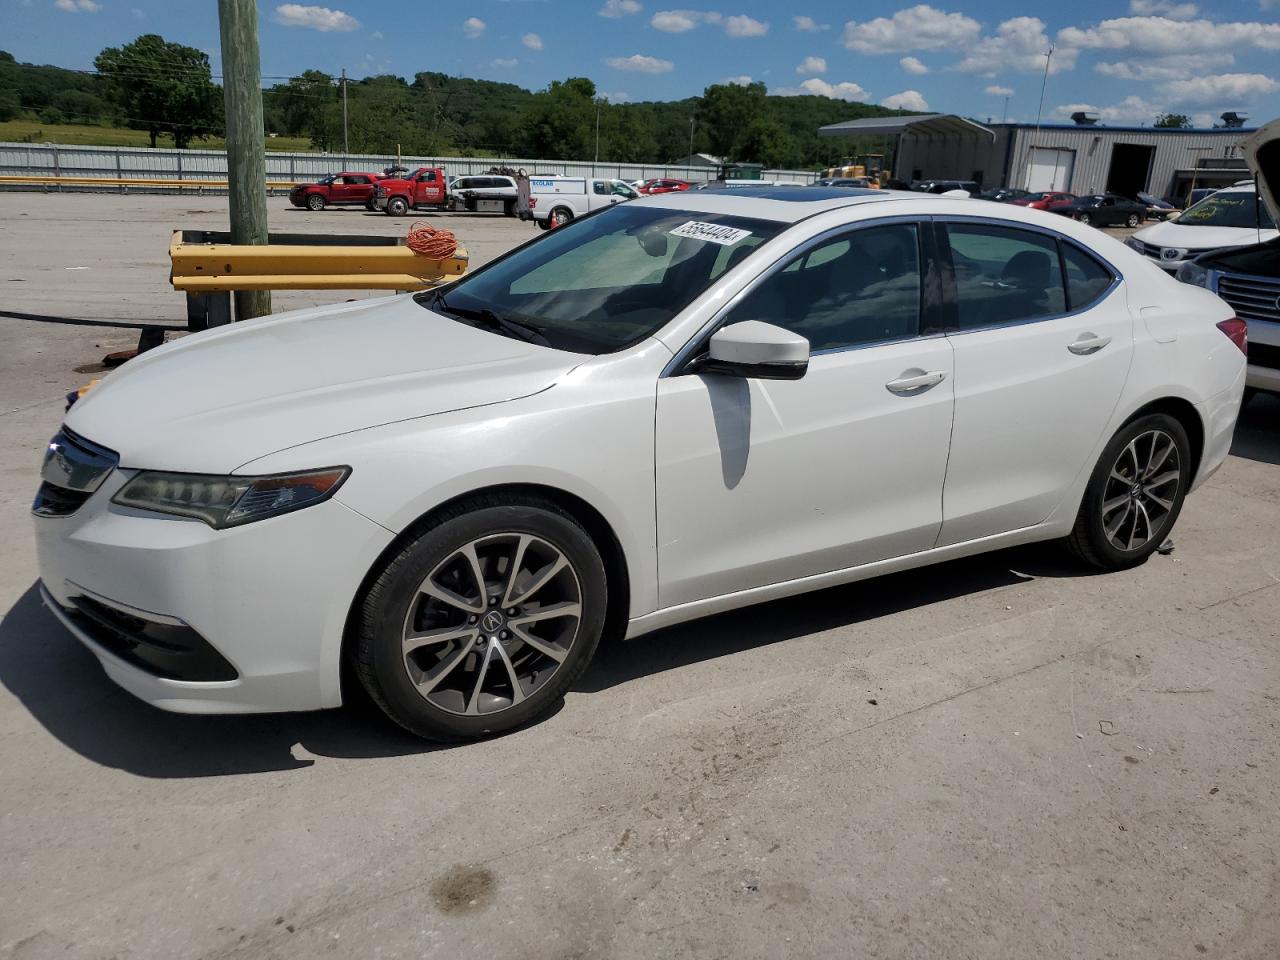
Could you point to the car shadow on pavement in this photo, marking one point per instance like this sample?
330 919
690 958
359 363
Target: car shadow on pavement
757 626
1257 434
62 685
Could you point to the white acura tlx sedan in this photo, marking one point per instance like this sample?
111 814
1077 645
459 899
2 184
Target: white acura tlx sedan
681 405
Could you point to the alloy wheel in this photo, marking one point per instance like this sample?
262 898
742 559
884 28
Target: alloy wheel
1141 490
492 623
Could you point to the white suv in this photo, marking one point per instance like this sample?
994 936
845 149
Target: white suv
1232 217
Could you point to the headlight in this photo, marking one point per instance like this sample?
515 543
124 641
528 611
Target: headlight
1133 243
229 501
1191 272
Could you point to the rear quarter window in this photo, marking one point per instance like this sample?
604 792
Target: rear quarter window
1087 279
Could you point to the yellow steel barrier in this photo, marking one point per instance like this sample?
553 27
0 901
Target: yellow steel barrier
217 267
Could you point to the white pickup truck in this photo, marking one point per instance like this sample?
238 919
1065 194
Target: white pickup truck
554 201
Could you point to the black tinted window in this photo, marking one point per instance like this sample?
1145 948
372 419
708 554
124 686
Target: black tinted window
862 287
1004 275
1087 279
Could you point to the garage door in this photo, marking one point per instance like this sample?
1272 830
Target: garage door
1050 169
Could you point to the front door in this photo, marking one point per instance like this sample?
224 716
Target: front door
1039 366
762 481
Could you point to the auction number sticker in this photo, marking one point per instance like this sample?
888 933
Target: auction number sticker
711 232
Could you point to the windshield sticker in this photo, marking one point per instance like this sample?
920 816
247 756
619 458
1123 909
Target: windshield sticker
711 232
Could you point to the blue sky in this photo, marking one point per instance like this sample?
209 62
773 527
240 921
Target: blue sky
1126 59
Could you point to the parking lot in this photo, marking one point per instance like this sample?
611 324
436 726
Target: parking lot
999 757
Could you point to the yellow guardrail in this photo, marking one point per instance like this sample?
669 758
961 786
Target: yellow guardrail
132 182
376 264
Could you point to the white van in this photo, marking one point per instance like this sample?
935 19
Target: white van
557 200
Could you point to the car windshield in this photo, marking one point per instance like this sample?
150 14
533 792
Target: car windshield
1234 208
605 282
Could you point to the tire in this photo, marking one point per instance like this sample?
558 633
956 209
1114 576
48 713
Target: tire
561 216
397 207
315 203
543 224
1103 535
509 208
1084 218
1132 220
432 690
370 205
1249 394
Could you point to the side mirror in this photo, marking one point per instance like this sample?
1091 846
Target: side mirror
756 350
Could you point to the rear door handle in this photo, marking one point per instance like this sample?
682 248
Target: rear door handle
1088 343
915 381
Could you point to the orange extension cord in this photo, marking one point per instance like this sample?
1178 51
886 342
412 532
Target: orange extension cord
434 242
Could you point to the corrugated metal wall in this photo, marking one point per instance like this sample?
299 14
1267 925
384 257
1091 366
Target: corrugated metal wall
960 157
142 163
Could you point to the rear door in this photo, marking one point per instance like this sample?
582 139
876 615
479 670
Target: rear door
1039 366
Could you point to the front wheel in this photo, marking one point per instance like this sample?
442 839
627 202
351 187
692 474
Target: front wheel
315 202
397 207
560 216
1134 495
1132 220
484 621
1084 218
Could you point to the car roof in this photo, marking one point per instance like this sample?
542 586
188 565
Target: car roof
784 204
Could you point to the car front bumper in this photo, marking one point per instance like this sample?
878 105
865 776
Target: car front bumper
270 599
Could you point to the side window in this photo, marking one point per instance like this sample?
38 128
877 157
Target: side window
1004 275
600 188
428 177
862 287
1087 279
358 180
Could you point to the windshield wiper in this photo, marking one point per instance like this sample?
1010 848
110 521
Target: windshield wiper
489 320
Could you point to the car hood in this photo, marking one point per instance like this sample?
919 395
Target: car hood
211 402
1262 152
1188 237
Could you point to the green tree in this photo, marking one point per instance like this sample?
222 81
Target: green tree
727 111
1179 121
163 87
306 106
560 121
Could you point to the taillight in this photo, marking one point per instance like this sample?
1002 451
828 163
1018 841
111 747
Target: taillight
1237 332
533 203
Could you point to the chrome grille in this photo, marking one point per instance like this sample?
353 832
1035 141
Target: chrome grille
1254 298
73 469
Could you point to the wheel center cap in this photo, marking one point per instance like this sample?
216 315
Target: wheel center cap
1135 491
493 621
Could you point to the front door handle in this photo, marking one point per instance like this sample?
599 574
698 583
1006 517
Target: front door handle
915 381
1088 343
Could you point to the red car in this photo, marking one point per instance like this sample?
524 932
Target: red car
662 185
1049 200
338 189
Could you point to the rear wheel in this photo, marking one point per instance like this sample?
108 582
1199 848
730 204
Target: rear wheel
484 621
397 207
1132 220
1134 495
1084 218
315 202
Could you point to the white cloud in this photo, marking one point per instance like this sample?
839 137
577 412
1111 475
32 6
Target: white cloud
998 91
314 18
619 8
1018 44
532 41
618 96
742 80
138 14
913 65
921 27
1162 36
376 35
812 65
906 100
1177 67
818 87
744 26
1167 8
76 6
809 25
639 63
1223 87
473 27
506 62
675 21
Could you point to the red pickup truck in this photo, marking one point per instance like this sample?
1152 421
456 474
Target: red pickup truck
337 189
425 187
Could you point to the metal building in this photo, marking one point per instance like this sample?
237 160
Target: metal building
1082 157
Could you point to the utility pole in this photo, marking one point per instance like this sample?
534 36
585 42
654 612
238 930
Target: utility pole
246 150
346 147
1048 58
691 120
599 101
1005 118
